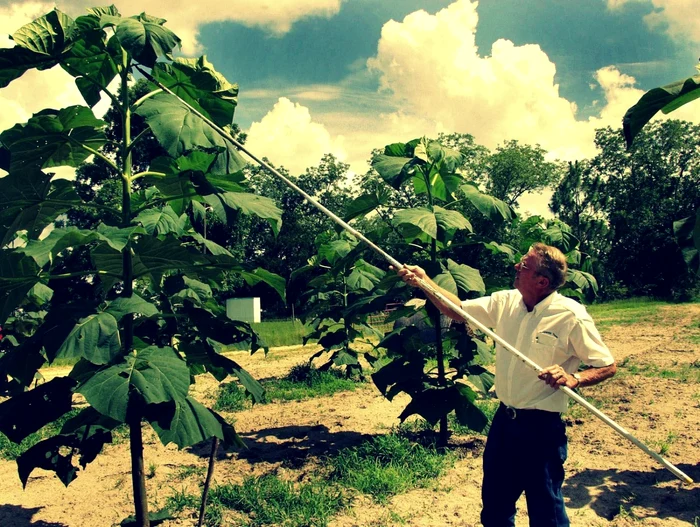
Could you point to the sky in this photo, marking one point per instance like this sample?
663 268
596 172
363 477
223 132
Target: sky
348 76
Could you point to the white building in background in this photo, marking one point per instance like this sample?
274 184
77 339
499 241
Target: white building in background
245 309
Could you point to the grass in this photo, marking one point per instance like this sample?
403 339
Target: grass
380 467
276 333
388 465
303 381
627 312
686 372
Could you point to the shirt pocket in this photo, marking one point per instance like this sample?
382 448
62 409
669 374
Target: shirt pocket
543 349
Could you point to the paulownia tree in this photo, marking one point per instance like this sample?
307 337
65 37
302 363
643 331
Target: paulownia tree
147 322
429 231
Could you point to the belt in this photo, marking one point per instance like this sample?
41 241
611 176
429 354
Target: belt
527 413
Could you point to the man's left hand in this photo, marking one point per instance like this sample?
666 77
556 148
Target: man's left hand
555 376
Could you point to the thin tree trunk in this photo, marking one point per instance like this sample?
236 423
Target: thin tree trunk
207 482
138 475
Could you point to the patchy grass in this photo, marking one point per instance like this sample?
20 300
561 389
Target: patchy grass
303 381
685 372
388 465
627 312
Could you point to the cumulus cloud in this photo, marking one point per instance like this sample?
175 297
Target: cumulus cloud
679 18
287 136
185 17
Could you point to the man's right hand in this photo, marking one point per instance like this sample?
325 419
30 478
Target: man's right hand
411 274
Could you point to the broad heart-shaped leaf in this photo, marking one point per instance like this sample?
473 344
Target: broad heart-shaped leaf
14 62
44 251
47 35
432 403
560 237
18 274
582 280
366 203
54 138
258 275
687 233
394 170
56 454
95 337
666 98
123 305
194 423
336 250
492 208
460 277
450 160
92 60
144 37
223 203
30 201
437 224
179 130
197 82
158 375
27 412
467 413
364 276
161 221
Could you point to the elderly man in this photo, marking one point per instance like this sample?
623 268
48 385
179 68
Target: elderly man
526 446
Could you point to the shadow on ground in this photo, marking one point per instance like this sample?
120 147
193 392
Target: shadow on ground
17 516
289 445
654 492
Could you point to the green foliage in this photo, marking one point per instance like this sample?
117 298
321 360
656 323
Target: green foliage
139 315
388 465
269 500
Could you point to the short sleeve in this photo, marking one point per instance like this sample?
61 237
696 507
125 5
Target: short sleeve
482 309
588 345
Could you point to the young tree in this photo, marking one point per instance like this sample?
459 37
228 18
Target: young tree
428 231
145 322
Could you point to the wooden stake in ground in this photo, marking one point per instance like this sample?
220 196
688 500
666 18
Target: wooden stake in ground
207 482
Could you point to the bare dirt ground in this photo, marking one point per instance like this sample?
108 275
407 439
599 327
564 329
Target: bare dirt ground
609 481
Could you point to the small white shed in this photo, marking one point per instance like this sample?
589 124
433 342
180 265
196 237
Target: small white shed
245 309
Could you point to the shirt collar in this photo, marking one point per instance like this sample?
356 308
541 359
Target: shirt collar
541 306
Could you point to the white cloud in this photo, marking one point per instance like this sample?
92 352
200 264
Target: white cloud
678 17
185 17
287 136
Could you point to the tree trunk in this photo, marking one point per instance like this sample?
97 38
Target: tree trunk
138 475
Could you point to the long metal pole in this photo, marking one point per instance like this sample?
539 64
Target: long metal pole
430 289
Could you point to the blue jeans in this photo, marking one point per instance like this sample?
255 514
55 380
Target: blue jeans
524 453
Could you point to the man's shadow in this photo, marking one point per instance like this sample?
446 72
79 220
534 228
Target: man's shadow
18 516
619 491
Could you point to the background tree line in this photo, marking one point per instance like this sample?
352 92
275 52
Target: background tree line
616 209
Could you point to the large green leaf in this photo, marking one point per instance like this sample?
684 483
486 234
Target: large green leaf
179 130
161 221
687 232
666 98
364 276
394 170
467 413
432 403
366 203
144 37
492 208
92 61
259 274
30 201
57 454
123 305
18 274
224 202
27 412
158 375
95 337
197 82
47 35
438 224
14 62
45 250
460 277
54 138
194 423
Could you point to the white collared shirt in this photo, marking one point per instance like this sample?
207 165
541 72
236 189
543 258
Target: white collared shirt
558 330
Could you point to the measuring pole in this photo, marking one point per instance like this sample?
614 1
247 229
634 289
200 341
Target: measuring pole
429 288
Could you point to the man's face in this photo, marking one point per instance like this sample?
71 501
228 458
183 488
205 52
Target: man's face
526 277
